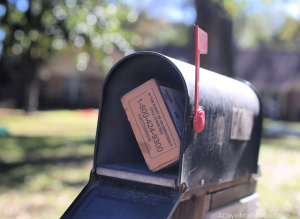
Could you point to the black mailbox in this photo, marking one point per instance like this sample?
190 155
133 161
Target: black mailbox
224 153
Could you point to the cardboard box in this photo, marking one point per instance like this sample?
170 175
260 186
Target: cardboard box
156 114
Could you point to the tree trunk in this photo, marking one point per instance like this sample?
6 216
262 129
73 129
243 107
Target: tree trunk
211 17
27 86
33 96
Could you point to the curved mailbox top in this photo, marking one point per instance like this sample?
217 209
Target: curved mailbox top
228 146
226 149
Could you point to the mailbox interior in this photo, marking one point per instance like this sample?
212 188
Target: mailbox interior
117 152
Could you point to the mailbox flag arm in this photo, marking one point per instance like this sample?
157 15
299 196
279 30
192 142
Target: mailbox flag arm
200 48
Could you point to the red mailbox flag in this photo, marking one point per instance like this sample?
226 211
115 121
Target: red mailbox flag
200 48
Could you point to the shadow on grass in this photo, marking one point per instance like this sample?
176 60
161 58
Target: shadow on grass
77 184
21 157
283 142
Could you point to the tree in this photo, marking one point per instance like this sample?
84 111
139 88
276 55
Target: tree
267 29
287 37
32 31
215 18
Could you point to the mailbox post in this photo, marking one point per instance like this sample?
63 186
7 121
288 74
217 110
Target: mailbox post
217 166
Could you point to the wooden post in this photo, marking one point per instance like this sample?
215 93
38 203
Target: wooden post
207 200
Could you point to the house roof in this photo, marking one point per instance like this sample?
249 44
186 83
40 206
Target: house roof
64 65
261 68
268 68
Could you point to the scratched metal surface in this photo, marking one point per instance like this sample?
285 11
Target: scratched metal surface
210 156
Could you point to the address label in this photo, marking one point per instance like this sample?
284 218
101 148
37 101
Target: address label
242 124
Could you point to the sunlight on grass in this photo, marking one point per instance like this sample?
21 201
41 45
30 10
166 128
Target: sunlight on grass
279 185
53 123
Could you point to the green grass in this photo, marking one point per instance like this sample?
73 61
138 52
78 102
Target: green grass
51 123
279 185
45 161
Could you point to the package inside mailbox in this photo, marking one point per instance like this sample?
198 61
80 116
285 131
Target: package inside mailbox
155 111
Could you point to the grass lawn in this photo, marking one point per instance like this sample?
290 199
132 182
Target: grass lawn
45 160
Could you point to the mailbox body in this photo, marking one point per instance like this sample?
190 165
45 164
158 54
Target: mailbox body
210 157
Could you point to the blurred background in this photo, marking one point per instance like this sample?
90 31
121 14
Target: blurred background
55 54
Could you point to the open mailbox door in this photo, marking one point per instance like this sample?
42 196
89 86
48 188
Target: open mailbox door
225 153
106 197
121 185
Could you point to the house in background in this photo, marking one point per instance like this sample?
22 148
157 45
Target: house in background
65 87
276 76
